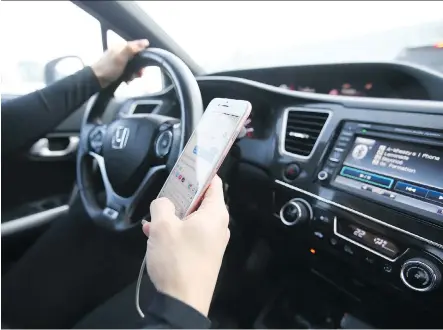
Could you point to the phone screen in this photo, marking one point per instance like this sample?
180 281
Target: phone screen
200 156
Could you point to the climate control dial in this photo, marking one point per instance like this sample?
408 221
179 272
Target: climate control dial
420 275
295 212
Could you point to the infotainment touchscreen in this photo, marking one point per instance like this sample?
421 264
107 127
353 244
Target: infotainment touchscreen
404 172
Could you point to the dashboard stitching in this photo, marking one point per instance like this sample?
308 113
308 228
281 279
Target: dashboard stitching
327 201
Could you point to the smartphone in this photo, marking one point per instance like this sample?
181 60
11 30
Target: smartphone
204 153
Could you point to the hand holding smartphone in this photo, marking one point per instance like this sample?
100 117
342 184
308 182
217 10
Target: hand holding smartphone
204 153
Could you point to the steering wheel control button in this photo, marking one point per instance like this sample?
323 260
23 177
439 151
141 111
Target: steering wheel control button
420 275
163 143
291 172
113 214
96 139
322 175
295 211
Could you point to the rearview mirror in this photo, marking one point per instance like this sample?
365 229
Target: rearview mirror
62 67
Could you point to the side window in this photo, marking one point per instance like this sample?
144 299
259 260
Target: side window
34 33
150 82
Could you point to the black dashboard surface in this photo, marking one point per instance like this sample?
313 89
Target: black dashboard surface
382 80
264 151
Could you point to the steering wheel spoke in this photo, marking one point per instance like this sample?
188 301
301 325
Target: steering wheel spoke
91 138
119 210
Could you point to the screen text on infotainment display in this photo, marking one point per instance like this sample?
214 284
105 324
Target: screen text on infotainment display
196 163
403 172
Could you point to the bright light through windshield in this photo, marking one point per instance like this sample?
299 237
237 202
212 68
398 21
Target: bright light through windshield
236 35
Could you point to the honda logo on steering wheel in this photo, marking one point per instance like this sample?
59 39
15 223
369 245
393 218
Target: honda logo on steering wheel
120 137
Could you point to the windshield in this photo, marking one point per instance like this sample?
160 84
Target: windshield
222 36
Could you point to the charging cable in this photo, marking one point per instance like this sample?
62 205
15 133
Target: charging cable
137 290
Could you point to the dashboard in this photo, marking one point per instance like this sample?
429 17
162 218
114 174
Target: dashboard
356 182
379 80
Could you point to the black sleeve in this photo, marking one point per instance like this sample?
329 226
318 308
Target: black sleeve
29 117
165 312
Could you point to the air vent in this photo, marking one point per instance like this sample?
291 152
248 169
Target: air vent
302 131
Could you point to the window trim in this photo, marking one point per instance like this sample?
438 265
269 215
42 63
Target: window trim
100 19
104 24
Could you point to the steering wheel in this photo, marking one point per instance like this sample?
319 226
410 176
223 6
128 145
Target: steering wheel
132 150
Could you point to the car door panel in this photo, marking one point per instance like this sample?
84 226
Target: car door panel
35 193
37 185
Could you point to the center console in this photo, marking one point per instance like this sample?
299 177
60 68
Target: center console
368 211
376 202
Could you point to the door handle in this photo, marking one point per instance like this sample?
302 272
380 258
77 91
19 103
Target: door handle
41 148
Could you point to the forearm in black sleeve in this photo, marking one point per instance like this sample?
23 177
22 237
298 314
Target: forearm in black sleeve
166 312
31 116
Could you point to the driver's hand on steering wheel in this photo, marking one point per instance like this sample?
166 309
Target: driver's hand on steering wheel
113 62
184 257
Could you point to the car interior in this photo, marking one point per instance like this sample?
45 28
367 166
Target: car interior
335 192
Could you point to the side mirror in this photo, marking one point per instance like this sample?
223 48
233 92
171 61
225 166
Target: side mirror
62 67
